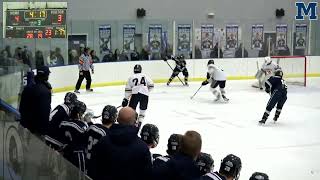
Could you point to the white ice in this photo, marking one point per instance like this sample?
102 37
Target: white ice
289 149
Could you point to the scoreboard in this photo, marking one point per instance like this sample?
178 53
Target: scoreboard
36 23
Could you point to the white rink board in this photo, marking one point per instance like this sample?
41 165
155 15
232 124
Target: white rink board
67 76
287 150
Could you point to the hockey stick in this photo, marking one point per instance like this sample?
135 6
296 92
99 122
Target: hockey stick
173 70
196 92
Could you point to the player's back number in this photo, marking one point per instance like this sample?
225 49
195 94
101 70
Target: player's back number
142 81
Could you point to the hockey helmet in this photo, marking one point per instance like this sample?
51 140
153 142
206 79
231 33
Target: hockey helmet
70 99
79 108
109 113
267 59
278 72
231 166
150 134
259 176
137 68
174 143
205 163
211 61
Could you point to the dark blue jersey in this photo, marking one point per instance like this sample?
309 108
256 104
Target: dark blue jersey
276 83
213 176
94 133
74 135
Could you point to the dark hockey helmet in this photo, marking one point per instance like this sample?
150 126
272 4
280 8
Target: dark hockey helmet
150 134
70 99
231 166
205 163
181 56
174 143
211 61
109 114
137 68
79 108
259 176
279 73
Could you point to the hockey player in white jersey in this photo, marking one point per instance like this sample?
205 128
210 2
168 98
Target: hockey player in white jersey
267 70
216 77
137 91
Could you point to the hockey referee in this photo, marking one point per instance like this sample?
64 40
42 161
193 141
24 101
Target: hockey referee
85 64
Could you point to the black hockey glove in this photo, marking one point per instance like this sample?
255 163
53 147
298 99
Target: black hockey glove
267 90
125 102
205 83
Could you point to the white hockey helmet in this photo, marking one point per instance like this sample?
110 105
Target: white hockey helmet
268 59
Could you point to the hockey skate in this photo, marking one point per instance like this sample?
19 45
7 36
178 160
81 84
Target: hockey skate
76 91
186 84
218 98
262 122
89 90
225 98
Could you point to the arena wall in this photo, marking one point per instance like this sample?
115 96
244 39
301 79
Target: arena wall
109 74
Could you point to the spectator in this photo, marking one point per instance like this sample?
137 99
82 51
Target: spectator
182 165
205 163
18 54
39 59
122 155
238 53
8 50
94 57
215 52
144 54
85 64
264 50
74 139
116 55
26 56
173 145
35 117
73 56
198 54
123 56
52 59
229 169
259 176
60 59
134 55
60 113
108 57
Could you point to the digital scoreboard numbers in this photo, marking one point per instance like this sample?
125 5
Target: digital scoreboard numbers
42 23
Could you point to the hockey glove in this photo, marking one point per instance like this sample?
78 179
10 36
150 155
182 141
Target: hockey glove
205 83
125 102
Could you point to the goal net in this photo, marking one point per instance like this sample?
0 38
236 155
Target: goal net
294 68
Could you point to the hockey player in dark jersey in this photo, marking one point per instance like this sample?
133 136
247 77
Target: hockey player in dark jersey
74 139
277 88
229 169
205 163
96 131
173 145
181 66
150 135
259 176
59 114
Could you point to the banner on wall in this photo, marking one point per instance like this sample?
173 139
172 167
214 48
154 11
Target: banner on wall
105 38
232 36
301 36
257 37
184 37
207 33
281 36
129 31
154 39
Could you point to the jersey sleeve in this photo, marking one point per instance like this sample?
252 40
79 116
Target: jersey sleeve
128 88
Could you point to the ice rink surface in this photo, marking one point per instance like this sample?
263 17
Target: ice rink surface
289 149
